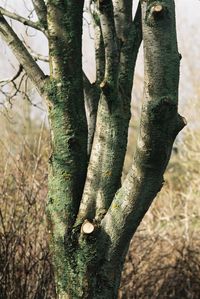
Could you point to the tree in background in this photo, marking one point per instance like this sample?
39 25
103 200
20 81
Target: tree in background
92 214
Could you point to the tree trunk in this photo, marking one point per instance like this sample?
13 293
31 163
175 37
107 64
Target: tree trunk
90 272
92 216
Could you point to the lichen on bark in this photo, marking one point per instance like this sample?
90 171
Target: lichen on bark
88 264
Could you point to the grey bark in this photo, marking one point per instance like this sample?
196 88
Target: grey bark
41 11
91 216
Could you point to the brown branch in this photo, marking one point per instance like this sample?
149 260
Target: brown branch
110 139
18 73
16 85
69 160
95 200
128 55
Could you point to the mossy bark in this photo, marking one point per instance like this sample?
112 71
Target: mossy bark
68 161
88 265
90 272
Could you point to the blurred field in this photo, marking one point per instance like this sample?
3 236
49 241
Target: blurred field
164 259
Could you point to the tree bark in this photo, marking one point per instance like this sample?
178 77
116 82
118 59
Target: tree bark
68 161
90 272
91 216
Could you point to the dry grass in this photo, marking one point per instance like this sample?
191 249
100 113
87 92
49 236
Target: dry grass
25 267
157 269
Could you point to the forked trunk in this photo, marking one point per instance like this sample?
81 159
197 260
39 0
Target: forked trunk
98 282
92 216
90 274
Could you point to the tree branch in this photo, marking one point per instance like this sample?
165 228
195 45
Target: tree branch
41 11
106 17
128 55
69 159
99 43
95 199
36 56
18 73
160 123
65 53
20 19
34 72
91 96
92 91
123 17
110 138
10 95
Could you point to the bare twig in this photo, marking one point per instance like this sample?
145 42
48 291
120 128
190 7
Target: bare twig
27 22
24 57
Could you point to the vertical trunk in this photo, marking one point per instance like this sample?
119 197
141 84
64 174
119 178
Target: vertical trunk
68 161
88 263
159 125
91 275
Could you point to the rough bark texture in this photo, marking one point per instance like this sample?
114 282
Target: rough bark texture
159 125
41 11
91 216
110 140
68 161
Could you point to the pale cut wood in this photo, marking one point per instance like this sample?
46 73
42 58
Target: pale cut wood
87 227
157 8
